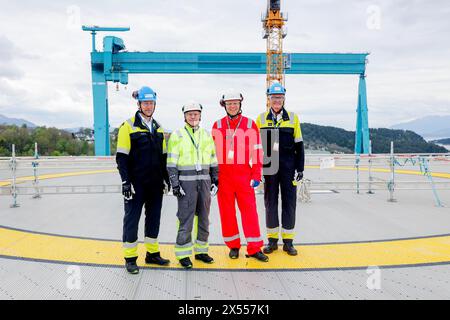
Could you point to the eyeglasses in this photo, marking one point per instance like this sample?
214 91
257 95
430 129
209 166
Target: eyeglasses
274 98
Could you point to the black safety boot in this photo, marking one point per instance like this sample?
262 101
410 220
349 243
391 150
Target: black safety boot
271 246
234 253
131 266
155 258
259 256
204 257
186 263
289 248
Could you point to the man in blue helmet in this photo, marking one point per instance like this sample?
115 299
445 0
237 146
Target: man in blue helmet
141 158
284 159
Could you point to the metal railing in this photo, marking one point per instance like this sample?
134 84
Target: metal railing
386 166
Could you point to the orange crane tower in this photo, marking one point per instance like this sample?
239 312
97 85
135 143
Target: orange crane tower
273 23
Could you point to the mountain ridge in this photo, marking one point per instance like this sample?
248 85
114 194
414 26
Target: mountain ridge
434 127
4 120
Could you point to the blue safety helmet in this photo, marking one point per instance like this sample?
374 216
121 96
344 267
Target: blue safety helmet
276 88
145 94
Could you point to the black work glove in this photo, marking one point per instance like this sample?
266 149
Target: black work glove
178 191
298 176
214 190
214 186
127 190
167 186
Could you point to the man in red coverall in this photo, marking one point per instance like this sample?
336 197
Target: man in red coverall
239 153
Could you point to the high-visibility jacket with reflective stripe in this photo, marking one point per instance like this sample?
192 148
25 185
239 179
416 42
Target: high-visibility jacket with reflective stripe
141 156
239 149
288 134
185 162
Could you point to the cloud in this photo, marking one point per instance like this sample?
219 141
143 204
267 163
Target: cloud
45 74
8 67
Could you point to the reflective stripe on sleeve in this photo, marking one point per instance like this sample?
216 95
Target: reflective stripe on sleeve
123 150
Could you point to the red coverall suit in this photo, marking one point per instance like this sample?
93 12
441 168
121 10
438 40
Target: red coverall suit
239 154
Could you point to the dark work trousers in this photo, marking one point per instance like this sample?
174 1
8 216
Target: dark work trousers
272 185
152 199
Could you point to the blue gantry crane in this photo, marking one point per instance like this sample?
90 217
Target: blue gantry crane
114 64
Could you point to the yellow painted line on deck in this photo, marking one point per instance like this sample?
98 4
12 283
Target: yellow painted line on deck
397 171
61 249
56 175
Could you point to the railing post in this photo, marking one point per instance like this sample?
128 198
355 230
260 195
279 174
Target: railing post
391 184
370 168
35 165
358 159
13 166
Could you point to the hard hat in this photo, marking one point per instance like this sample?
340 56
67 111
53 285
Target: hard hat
145 94
276 88
231 95
193 106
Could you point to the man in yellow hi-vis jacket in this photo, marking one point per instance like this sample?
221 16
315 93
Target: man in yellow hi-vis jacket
283 146
141 158
193 172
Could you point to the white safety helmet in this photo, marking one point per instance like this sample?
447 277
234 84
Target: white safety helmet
231 95
193 106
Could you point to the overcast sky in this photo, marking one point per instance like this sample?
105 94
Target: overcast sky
45 64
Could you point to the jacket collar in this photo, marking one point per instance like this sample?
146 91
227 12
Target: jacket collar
190 129
284 115
235 119
138 122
